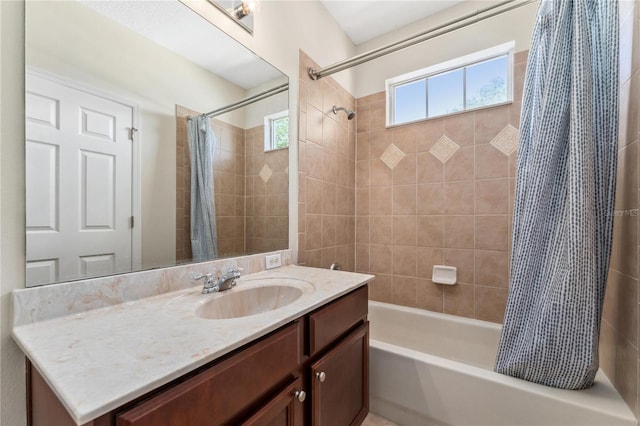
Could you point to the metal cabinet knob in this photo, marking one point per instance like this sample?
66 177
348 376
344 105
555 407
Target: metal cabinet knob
321 376
300 395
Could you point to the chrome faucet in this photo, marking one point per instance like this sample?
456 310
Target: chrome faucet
225 282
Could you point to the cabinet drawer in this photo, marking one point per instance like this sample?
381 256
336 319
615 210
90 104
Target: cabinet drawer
225 391
330 322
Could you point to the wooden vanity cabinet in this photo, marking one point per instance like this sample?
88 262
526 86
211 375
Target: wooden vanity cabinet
275 381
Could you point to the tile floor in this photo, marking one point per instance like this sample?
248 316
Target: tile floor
373 420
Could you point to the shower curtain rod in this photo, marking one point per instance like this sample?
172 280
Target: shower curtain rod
246 101
433 32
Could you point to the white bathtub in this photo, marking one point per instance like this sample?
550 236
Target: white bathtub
436 369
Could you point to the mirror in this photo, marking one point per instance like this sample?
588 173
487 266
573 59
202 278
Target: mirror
110 87
240 11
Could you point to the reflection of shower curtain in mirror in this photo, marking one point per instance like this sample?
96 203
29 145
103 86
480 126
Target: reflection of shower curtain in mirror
563 216
202 144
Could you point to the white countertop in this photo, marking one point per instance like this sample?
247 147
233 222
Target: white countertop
97 360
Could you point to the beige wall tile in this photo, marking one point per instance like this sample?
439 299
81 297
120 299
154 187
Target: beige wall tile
460 166
405 171
621 305
490 303
429 168
379 141
381 259
491 163
607 350
625 245
362 201
459 198
362 174
313 234
627 372
489 122
362 229
404 230
328 230
404 200
328 198
381 230
380 201
379 173
362 146
363 118
459 300
428 133
429 296
464 261
405 291
404 261
460 128
405 138
430 231
492 268
492 232
314 156
627 178
381 289
426 257
430 199
362 258
314 125
458 232
492 196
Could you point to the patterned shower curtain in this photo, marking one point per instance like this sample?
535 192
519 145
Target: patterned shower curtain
565 189
202 142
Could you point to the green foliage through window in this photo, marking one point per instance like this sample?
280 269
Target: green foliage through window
280 133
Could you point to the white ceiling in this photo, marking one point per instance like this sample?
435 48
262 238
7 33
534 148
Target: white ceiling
364 20
179 29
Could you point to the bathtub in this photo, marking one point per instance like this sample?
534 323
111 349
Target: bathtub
436 369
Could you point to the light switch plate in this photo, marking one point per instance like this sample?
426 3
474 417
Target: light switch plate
274 261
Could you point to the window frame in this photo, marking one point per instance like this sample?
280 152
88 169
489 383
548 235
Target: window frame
269 140
462 62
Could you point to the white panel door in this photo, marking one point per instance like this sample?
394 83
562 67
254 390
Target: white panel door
78 178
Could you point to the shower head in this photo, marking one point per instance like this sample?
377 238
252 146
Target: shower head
350 114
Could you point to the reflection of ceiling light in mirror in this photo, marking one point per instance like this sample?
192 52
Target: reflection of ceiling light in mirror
245 8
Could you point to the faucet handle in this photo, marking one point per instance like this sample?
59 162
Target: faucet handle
208 277
235 271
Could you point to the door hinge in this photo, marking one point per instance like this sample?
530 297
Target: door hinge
131 222
132 133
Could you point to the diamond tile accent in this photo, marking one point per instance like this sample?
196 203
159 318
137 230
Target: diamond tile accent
392 156
444 149
507 140
265 173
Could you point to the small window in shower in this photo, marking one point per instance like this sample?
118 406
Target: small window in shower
276 131
478 80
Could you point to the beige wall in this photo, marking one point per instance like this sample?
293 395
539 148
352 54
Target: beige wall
425 211
326 232
619 332
12 246
515 25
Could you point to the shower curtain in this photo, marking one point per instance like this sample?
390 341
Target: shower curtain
202 144
565 188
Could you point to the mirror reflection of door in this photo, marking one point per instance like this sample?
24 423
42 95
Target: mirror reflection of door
78 182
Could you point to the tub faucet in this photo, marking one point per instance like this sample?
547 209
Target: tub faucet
225 282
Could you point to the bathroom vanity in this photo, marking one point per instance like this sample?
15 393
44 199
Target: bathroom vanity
302 363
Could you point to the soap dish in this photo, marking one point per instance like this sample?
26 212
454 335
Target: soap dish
444 274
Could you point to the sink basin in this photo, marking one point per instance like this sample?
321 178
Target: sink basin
245 302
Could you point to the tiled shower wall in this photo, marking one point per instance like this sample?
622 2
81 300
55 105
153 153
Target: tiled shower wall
619 332
267 194
326 224
229 166
416 206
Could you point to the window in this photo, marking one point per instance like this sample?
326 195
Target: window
474 81
276 131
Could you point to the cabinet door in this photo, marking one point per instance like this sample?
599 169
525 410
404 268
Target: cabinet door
285 409
340 382
225 392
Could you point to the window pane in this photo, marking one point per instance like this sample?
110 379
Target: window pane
410 102
446 93
280 129
487 83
